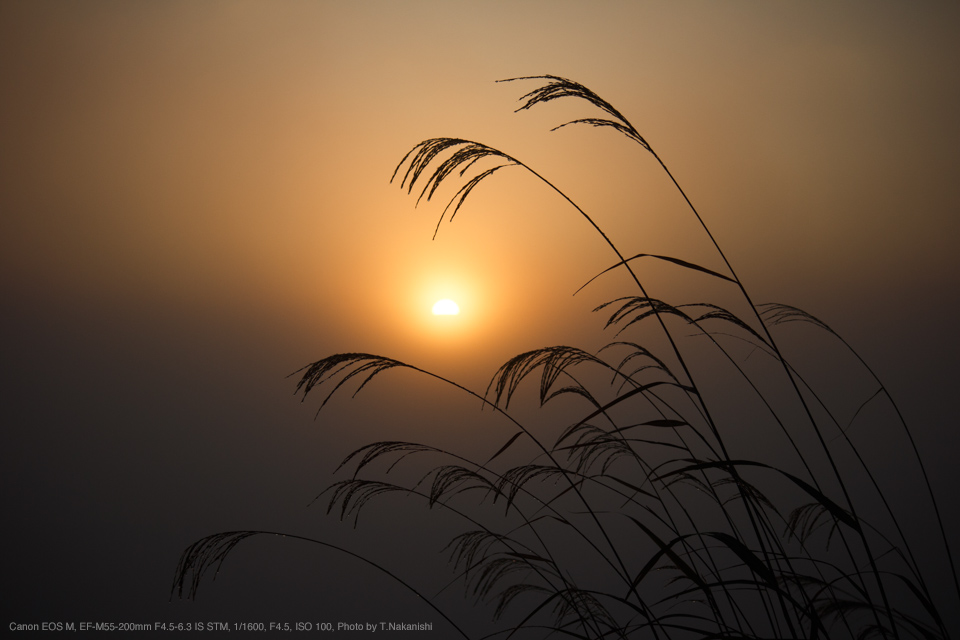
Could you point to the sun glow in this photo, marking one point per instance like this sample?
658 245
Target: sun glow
445 307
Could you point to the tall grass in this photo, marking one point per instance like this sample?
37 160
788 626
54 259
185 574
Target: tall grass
639 514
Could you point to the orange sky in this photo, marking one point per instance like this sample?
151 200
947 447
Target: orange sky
199 192
236 155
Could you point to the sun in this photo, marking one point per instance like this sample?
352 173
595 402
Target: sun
445 307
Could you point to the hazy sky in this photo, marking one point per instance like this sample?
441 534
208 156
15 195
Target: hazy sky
195 202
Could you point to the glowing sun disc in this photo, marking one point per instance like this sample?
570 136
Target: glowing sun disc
445 307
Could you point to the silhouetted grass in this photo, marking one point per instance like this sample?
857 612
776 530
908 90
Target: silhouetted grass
637 517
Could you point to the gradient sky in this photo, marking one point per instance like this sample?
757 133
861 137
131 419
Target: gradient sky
195 201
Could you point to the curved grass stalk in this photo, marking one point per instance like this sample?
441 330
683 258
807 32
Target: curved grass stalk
780 313
210 552
912 564
843 430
